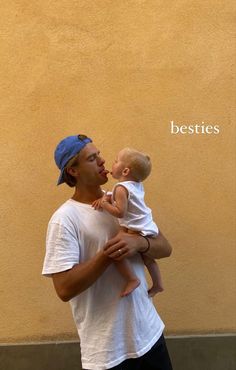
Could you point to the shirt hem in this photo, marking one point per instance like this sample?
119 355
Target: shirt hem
127 356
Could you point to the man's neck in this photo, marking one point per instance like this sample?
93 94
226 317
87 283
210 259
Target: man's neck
87 195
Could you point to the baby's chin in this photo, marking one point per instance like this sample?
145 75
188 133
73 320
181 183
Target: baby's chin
114 177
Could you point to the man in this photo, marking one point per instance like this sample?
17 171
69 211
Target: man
82 244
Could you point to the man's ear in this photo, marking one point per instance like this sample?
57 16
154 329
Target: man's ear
72 171
126 171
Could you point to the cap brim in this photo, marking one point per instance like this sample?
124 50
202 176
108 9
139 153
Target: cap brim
61 178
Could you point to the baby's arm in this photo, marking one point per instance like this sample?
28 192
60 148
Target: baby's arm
119 208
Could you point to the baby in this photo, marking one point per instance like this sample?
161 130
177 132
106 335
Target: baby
127 203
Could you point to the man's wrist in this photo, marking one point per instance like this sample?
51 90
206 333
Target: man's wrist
104 257
147 247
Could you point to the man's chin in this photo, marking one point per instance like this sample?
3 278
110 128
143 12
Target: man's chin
103 177
104 180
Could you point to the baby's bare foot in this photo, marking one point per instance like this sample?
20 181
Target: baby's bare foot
154 290
130 287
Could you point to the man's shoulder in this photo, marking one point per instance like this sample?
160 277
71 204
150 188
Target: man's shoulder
65 211
63 207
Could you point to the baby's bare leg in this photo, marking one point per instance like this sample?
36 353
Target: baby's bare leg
154 271
132 282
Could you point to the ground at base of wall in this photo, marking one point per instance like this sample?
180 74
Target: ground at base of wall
208 352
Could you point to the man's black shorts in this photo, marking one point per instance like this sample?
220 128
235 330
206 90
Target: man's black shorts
155 359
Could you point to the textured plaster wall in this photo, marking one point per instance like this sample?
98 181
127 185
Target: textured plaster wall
120 71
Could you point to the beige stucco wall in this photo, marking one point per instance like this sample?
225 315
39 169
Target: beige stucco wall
119 71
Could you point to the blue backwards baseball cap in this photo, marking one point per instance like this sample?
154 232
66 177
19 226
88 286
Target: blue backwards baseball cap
67 149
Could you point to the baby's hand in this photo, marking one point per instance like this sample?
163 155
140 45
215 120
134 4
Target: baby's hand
97 204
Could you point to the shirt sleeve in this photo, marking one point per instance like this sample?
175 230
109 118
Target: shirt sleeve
62 249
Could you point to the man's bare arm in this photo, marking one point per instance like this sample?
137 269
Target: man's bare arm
125 245
159 247
72 282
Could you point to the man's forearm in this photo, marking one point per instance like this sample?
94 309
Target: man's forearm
159 247
72 282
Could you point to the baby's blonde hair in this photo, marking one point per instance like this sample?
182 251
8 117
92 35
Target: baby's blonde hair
139 163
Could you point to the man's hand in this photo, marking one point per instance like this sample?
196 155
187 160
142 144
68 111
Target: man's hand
125 245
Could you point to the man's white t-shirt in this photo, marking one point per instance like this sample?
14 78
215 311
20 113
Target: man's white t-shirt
111 328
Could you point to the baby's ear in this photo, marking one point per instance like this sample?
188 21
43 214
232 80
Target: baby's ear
126 171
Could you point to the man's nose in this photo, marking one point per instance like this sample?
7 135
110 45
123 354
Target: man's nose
100 160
